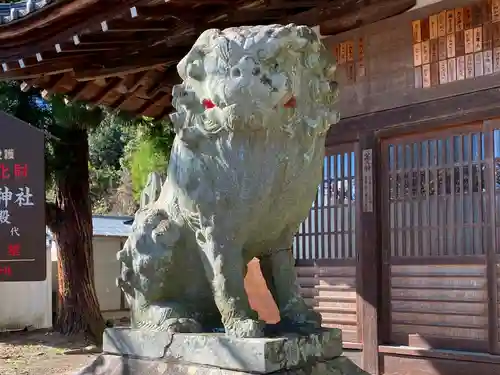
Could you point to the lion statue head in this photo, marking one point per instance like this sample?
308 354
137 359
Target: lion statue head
253 77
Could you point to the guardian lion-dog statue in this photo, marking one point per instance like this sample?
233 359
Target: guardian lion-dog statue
251 119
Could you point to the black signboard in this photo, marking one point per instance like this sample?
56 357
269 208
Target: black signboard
23 254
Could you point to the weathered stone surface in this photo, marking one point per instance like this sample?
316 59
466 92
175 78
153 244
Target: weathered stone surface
257 355
251 120
115 365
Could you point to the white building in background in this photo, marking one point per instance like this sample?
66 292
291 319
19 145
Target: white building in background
28 304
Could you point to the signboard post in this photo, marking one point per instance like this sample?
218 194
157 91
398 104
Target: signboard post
23 254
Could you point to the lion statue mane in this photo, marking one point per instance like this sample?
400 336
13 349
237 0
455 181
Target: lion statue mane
251 119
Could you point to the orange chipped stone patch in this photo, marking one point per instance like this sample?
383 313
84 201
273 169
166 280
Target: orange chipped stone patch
259 297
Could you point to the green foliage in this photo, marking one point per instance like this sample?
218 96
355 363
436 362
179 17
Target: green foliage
107 142
123 150
150 153
103 183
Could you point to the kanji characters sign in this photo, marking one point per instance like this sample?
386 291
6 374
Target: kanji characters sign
22 201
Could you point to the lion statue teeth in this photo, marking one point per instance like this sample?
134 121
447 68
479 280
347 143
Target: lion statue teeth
251 119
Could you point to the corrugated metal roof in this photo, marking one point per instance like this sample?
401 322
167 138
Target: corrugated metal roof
109 226
113 226
12 11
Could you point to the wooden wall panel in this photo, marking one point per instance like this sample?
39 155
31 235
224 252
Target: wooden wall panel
440 306
389 70
331 290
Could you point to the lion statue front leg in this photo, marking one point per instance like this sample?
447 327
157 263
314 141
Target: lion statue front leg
278 269
225 270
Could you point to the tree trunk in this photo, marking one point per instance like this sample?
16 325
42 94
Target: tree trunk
70 221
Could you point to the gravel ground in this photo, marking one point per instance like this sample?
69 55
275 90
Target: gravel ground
43 353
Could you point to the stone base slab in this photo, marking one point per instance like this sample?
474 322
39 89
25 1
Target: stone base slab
253 355
107 364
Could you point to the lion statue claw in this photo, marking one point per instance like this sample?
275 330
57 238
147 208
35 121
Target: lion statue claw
252 115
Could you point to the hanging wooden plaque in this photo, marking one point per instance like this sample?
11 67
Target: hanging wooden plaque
417 54
442 23
443 48
467 18
433 26
361 49
424 29
434 74
459 19
349 50
343 53
488 62
367 174
443 72
478 39
418 77
450 45
496 60
469 66
469 41
426 76
450 22
452 70
478 64
459 43
434 50
426 52
495 10
417 32
460 68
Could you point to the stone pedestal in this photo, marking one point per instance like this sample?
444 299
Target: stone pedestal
137 352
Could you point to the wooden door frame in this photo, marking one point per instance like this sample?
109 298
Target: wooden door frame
368 259
486 127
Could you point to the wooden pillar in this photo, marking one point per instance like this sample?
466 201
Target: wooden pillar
369 258
491 250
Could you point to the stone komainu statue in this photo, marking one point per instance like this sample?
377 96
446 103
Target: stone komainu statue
252 115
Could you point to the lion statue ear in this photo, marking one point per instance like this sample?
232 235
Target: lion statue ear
191 65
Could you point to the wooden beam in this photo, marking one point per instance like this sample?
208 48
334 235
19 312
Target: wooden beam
314 16
136 26
91 74
113 84
421 117
35 72
71 48
369 250
123 67
364 13
60 21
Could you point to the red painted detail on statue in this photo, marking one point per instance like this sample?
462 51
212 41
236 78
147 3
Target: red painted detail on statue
208 104
291 103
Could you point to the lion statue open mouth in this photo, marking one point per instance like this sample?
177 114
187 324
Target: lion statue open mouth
252 115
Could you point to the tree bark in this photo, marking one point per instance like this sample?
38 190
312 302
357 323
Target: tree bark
70 221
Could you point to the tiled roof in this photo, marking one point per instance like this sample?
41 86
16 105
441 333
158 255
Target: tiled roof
13 11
